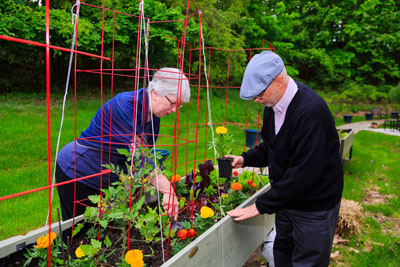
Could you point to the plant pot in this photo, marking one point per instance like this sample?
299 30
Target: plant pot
164 153
225 167
347 118
394 115
252 136
369 116
374 125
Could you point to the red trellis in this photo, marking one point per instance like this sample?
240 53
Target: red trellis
186 55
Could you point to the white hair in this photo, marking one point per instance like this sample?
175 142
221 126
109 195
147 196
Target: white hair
166 82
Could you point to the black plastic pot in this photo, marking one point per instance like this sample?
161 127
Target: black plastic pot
347 118
394 115
225 167
164 153
252 135
369 116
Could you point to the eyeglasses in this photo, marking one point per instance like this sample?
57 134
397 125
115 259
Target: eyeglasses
173 105
259 96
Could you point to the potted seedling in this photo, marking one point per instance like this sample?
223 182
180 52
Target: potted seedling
223 145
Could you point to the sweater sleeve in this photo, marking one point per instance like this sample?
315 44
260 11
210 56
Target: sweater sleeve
308 155
257 156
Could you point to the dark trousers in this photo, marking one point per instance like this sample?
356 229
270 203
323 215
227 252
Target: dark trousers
304 238
66 194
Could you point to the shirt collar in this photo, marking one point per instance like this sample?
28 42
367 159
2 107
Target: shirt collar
287 97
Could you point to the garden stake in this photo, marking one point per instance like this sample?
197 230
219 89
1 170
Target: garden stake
62 243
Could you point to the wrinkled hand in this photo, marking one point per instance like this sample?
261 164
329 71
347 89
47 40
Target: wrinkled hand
237 162
171 205
245 213
170 202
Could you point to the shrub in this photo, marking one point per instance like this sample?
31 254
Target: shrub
394 94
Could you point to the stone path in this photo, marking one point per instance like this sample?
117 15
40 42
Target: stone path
365 126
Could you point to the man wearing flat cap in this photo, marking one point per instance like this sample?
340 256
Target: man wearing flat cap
301 151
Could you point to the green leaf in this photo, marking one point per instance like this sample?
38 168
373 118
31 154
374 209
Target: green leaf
95 243
103 223
95 199
107 242
77 229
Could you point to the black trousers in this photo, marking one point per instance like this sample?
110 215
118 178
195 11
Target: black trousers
66 194
304 238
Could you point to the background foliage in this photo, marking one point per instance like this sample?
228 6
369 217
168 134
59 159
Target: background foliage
350 49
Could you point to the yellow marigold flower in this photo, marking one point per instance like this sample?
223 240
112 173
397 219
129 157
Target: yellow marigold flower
134 257
176 178
206 212
79 253
223 195
237 186
43 241
221 130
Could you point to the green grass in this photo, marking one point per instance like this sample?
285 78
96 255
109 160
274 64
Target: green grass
374 162
23 157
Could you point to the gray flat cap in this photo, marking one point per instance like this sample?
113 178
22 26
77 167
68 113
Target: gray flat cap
260 72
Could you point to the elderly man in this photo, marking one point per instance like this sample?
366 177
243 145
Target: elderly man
301 150
168 89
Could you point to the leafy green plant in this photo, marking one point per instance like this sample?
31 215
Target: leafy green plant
114 204
223 142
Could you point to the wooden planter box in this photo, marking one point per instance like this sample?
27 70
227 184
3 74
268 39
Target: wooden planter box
346 143
227 243
19 242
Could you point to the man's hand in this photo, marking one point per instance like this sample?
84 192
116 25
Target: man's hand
237 162
171 205
243 214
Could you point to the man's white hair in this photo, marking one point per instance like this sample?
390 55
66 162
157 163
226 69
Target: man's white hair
166 82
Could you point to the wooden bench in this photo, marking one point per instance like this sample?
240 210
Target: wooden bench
378 112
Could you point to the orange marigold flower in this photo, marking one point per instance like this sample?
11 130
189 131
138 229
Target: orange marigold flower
253 185
134 257
182 234
237 186
176 178
191 233
250 182
235 173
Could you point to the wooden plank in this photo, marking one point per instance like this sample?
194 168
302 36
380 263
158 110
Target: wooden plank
346 144
227 243
17 243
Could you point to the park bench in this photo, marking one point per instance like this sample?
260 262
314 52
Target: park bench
378 112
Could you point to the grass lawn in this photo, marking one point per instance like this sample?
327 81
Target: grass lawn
375 167
23 164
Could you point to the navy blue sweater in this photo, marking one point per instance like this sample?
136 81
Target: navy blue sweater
305 167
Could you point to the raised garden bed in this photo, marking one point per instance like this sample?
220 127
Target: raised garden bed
346 142
227 243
